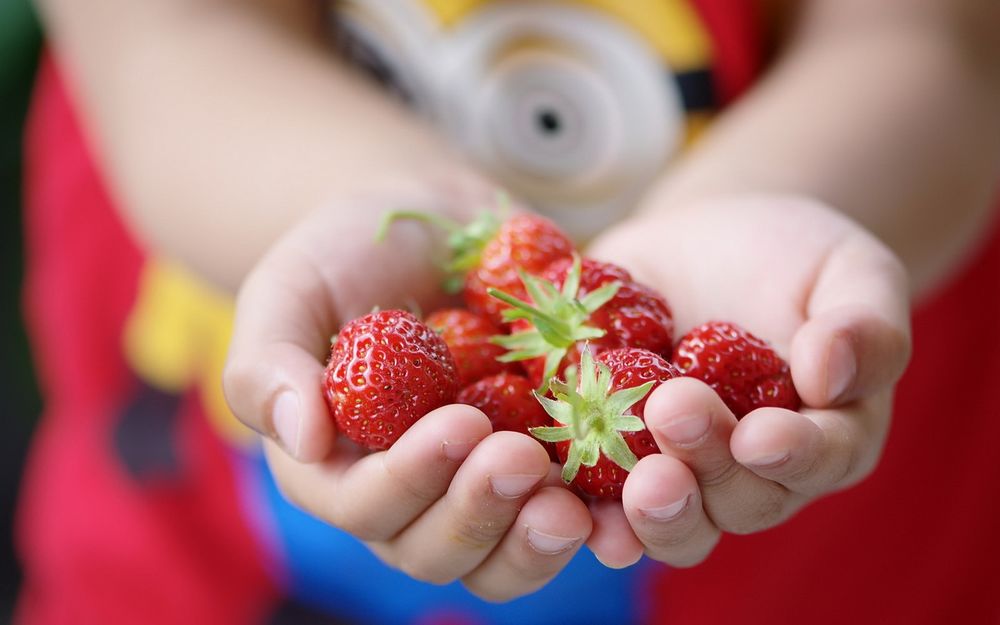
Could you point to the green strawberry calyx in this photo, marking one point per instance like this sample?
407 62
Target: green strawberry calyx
465 242
592 417
558 318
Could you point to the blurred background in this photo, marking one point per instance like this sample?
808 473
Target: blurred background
19 402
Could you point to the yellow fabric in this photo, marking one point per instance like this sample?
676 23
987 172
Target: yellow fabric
671 27
177 335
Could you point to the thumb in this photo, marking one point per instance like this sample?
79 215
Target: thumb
856 340
275 364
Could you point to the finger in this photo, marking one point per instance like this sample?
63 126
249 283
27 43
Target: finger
663 505
612 540
549 530
275 363
816 452
457 532
691 423
374 497
554 478
857 337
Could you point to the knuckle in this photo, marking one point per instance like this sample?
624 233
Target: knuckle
356 521
423 570
419 490
764 513
718 475
672 539
853 457
801 472
683 546
534 572
846 472
849 453
476 533
357 526
856 467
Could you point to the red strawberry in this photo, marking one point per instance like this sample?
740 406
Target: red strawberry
468 338
576 302
489 253
601 432
386 370
743 369
508 400
524 242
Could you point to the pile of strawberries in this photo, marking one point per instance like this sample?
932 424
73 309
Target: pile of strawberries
563 348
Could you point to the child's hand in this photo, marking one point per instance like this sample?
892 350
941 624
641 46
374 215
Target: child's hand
830 297
450 500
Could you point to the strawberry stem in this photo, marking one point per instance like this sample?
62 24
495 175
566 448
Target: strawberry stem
531 311
558 319
592 417
448 225
465 242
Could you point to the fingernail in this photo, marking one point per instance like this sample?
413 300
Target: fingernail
456 451
669 511
767 461
287 424
512 486
686 430
841 369
550 544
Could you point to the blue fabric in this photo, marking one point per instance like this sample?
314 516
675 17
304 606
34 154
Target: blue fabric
331 571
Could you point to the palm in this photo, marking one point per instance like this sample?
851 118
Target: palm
749 262
339 268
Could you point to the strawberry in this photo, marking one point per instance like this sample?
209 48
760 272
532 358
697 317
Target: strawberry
468 338
489 253
526 243
574 302
386 370
601 432
743 369
508 400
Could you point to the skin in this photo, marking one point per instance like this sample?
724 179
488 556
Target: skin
838 195
827 295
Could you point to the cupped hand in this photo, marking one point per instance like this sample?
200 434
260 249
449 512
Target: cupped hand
830 298
451 499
